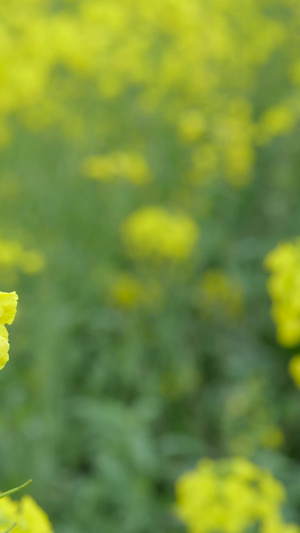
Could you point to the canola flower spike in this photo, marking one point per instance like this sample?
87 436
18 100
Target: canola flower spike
25 516
154 233
283 263
230 496
8 308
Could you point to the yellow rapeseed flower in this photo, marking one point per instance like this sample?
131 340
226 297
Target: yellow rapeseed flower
191 125
220 295
283 263
130 166
279 120
8 307
155 233
13 255
27 516
230 496
294 369
128 292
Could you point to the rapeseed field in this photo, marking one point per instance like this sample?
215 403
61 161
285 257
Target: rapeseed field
150 238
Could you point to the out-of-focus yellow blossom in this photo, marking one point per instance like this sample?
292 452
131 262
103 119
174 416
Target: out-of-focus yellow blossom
131 166
284 288
255 436
8 308
14 256
275 525
205 161
32 262
247 422
101 168
127 292
154 233
272 437
191 125
239 159
278 120
27 516
179 383
294 369
234 135
220 295
10 253
193 60
230 496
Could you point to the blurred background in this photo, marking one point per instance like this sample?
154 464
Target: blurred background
149 191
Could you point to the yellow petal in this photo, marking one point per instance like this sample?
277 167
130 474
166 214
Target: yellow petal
8 307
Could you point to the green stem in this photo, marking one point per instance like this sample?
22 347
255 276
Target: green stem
8 530
13 491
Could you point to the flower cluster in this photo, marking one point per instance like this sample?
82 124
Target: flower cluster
128 292
220 295
231 496
294 369
130 166
154 233
52 56
25 515
8 307
14 256
284 288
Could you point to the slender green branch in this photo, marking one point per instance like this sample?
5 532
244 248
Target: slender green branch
13 491
8 530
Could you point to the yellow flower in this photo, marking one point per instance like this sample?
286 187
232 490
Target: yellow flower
294 369
32 262
154 233
26 514
191 125
278 120
4 346
99 168
220 295
8 307
230 496
272 437
127 292
283 263
131 166
14 255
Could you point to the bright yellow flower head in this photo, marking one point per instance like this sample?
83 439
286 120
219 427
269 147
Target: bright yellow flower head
283 263
8 307
26 514
294 369
154 233
230 496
